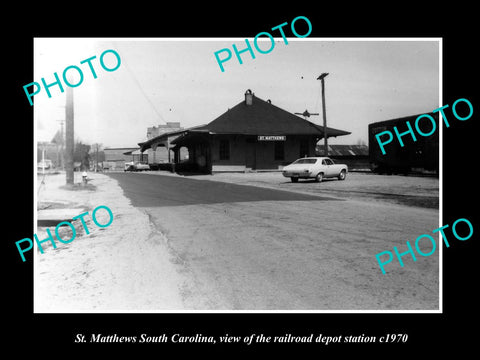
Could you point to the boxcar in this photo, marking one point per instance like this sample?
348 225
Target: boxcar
420 156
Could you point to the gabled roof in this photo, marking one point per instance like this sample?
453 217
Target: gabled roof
264 118
344 150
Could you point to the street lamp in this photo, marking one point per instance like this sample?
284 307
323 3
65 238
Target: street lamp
322 77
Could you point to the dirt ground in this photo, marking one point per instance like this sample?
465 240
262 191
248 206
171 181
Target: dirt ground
125 266
153 259
247 252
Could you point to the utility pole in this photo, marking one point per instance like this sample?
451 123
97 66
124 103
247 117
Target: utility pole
43 163
96 158
322 77
69 142
96 148
61 155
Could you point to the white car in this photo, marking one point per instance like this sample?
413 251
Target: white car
45 164
136 166
317 168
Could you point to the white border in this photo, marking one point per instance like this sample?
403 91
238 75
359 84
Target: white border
437 311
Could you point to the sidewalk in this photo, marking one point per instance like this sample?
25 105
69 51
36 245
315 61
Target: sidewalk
125 266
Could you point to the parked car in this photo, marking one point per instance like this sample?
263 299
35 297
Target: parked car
317 168
136 166
128 166
45 164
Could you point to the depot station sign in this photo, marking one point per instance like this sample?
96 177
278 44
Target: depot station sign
271 138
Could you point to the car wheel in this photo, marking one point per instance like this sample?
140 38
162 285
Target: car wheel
342 175
319 177
294 179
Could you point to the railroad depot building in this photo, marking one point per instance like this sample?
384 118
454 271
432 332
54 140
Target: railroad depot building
161 154
253 135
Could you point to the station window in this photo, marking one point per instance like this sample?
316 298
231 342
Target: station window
304 148
224 150
279 150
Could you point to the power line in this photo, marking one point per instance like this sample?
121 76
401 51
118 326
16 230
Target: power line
317 98
141 88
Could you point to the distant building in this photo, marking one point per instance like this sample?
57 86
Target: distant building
253 135
355 156
155 131
137 156
115 158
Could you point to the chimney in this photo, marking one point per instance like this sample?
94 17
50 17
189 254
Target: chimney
248 97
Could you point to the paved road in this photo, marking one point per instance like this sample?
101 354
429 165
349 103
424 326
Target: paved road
251 248
147 191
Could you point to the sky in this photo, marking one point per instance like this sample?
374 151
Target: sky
179 80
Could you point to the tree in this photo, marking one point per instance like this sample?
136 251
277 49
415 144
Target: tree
97 154
80 154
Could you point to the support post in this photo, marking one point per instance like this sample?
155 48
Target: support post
69 136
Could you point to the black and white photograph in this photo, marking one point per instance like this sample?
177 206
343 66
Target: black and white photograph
261 187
